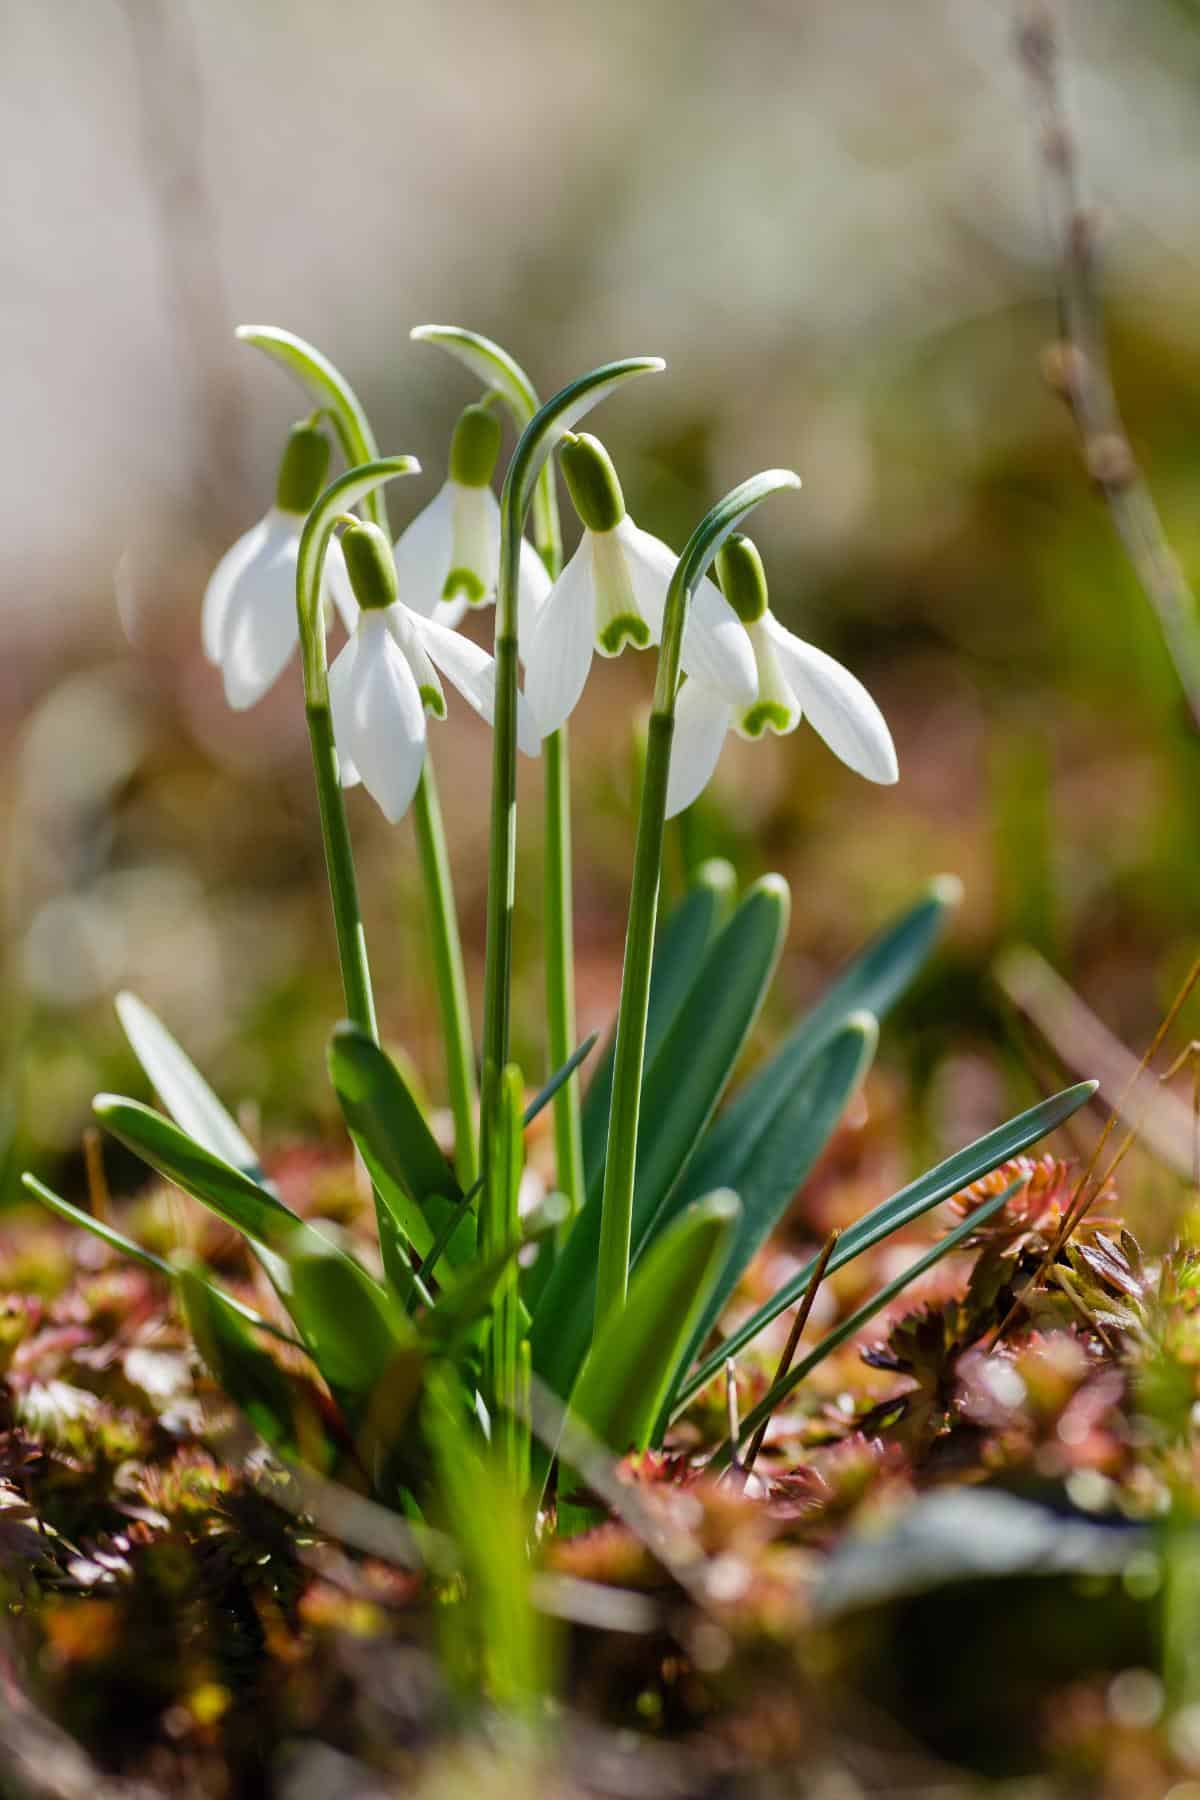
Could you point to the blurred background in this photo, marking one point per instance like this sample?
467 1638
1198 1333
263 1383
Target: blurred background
827 218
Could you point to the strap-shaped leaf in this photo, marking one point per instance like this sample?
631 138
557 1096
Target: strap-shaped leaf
678 957
778 1393
938 1184
414 1184
872 983
277 1406
117 1240
182 1089
350 1326
766 1168
631 1366
681 1088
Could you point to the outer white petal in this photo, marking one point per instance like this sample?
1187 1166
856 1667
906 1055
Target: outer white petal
259 632
533 588
387 718
702 719
473 673
341 675
335 582
222 582
560 650
715 645
423 552
837 704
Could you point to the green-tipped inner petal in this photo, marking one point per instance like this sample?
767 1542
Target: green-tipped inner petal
433 700
471 571
775 708
619 619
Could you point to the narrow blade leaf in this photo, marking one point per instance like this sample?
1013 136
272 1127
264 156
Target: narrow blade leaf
182 1089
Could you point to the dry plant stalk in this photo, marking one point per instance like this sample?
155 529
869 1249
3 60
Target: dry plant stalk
1077 366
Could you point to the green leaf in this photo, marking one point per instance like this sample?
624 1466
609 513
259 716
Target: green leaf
116 1240
276 1406
631 1366
681 1088
678 957
778 1393
938 1184
182 1089
415 1187
872 983
349 1324
766 1167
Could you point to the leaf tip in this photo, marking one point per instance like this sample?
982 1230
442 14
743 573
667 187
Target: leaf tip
947 890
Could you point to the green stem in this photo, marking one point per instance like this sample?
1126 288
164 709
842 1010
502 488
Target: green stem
620 1162
620 1166
339 862
449 974
558 925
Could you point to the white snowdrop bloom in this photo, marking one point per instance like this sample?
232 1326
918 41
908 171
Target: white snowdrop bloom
795 681
388 678
613 592
448 558
248 624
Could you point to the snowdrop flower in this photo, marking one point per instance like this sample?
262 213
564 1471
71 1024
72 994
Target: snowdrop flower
612 593
386 679
249 625
449 557
794 679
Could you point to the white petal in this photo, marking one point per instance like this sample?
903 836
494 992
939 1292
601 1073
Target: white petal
702 719
259 632
473 673
387 718
340 710
533 587
404 625
838 706
619 618
560 650
335 582
423 551
715 645
222 582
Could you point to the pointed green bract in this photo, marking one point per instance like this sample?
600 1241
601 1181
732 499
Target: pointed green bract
678 960
779 1392
182 1089
631 1366
929 1190
695 1059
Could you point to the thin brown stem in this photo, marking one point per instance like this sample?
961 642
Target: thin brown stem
1078 368
789 1349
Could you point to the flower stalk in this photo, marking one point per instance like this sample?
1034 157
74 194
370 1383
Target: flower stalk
357 441
620 1167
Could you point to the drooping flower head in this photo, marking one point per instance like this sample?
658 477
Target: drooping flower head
794 680
613 593
249 624
448 558
386 680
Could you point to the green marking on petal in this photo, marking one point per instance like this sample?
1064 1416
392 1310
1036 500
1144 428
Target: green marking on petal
464 581
626 628
765 715
433 700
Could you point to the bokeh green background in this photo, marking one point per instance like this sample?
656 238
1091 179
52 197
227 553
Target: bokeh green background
827 218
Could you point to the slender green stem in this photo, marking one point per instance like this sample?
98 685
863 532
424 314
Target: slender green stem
339 862
559 949
449 974
620 1163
